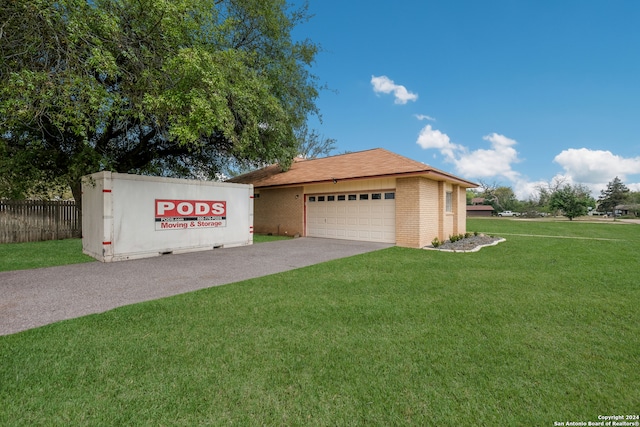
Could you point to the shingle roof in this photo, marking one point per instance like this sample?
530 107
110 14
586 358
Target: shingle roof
479 208
375 163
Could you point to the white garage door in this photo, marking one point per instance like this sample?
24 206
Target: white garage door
369 216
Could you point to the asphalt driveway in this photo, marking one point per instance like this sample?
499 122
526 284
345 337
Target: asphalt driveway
32 298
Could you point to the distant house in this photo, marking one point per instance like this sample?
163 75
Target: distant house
373 195
627 210
480 210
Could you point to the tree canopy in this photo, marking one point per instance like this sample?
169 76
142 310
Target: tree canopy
572 200
615 194
163 87
502 198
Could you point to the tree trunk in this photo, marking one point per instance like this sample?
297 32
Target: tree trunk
76 191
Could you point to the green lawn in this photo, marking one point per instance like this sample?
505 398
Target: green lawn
533 331
23 256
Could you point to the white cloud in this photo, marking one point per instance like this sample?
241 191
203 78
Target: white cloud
424 117
384 84
433 138
495 161
592 168
525 190
477 164
596 166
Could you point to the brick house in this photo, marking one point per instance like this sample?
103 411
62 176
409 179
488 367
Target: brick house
372 195
478 208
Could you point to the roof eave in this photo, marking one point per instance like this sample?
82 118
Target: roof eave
436 175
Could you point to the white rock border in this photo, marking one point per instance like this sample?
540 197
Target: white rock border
476 249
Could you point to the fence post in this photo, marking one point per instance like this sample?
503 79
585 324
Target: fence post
57 219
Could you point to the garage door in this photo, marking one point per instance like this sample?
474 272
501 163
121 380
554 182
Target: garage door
367 216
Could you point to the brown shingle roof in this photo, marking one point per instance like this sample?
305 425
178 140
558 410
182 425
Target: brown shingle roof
375 163
479 208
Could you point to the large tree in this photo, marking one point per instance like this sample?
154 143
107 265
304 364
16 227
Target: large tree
312 145
502 198
164 87
615 194
633 197
572 200
545 191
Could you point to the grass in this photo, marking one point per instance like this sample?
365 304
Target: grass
263 238
50 253
529 332
23 256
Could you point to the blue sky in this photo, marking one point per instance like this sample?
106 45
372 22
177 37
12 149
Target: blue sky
512 92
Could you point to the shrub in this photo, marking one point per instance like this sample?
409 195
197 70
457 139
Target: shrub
456 237
436 242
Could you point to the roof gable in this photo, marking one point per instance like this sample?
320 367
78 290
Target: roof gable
375 163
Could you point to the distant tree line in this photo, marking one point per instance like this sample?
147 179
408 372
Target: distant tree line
559 197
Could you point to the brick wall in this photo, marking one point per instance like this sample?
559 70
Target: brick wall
279 211
461 213
432 210
407 203
443 227
418 211
455 221
421 211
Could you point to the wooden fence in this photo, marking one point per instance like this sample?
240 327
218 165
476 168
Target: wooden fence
37 220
